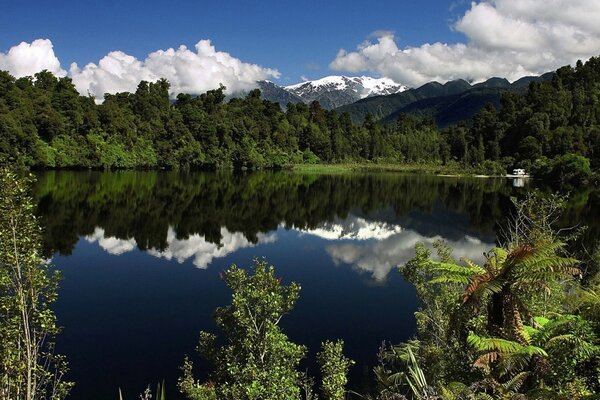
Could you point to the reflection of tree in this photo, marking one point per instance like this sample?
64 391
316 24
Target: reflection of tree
143 205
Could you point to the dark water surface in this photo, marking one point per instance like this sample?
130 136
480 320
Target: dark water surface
141 254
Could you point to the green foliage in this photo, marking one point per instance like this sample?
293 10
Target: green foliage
565 169
29 368
499 321
334 370
553 128
257 361
492 168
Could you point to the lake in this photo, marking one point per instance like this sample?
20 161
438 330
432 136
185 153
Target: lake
141 254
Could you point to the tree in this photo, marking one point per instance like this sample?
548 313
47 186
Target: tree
510 318
257 361
334 370
29 368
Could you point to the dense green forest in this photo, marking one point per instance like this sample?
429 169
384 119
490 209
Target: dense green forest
554 129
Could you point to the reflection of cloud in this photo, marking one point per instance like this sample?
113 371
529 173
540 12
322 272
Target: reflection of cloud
195 246
112 245
379 257
203 251
353 228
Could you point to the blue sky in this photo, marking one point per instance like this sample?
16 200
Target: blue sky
293 36
117 43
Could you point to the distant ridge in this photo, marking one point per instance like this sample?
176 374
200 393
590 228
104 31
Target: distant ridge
332 91
446 103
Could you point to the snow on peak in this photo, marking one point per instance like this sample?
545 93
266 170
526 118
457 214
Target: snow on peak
363 86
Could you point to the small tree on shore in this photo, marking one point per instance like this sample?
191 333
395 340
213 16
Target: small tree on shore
257 361
29 368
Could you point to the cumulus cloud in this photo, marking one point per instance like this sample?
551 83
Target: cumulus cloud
506 38
26 59
188 71
202 251
379 257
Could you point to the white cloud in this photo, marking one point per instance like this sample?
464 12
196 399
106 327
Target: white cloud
202 251
186 70
26 59
506 38
110 244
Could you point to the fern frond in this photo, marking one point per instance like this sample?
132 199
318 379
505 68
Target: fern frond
476 269
486 359
516 382
502 346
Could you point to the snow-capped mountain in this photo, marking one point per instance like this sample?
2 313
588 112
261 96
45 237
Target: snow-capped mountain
277 94
335 91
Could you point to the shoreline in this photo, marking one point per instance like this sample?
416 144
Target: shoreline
436 170
416 169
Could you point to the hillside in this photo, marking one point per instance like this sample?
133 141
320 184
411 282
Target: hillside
446 103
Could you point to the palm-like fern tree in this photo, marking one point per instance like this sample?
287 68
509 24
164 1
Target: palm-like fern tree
504 279
553 346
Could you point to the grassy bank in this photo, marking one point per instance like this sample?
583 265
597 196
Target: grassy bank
452 170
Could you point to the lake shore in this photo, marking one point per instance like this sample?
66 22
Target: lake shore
438 170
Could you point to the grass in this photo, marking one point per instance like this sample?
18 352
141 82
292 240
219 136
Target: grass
434 169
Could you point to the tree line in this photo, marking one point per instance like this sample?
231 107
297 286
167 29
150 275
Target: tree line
553 129
45 123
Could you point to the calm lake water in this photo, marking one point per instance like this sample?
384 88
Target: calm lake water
141 254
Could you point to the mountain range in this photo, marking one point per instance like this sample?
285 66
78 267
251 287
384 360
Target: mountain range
385 99
446 103
331 92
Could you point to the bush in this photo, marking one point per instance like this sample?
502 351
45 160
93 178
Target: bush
571 168
489 167
568 169
308 157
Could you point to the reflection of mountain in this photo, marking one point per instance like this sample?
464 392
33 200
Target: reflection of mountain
372 246
353 228
377 246
379 257
195 246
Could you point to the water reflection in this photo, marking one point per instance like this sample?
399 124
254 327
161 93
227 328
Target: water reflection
379 257
111 244
195 247
129 316
142 207
353 228
203 252
368 246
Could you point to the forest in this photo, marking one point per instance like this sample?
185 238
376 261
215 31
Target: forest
553 130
